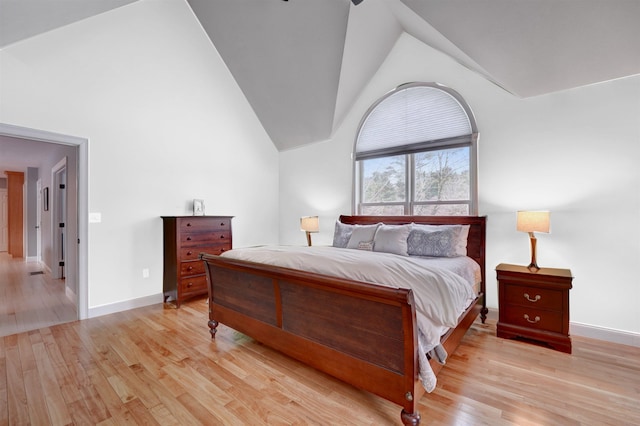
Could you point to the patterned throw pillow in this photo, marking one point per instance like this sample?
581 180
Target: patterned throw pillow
438 241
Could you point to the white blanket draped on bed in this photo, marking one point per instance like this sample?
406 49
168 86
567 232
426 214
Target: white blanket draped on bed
441 295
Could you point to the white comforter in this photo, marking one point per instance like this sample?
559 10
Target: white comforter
440 294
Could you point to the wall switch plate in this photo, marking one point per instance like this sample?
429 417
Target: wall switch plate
95 217
145 273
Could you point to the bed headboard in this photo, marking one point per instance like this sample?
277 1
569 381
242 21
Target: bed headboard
475 240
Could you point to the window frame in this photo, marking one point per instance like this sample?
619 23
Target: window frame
409 150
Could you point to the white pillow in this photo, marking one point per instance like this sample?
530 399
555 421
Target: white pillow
438 240
392 239
361 233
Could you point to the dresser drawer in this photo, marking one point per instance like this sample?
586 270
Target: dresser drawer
193 284
193 253
537 298
191 268
190 239
533 318
200 224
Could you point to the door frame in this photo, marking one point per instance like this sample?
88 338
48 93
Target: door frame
82 265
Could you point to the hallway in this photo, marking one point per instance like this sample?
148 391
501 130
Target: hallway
30 299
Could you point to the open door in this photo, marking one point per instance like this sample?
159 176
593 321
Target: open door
59 205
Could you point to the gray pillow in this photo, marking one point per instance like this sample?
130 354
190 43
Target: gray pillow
342 234
438 241
361 233
392 239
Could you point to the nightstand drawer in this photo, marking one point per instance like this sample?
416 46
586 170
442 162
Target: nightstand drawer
532 318
537 298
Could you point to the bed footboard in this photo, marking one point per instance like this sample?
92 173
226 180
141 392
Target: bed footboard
360 333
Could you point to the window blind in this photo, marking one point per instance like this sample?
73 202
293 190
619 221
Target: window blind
413 115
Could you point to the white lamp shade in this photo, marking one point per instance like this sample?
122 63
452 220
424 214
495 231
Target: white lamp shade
533 221
309 223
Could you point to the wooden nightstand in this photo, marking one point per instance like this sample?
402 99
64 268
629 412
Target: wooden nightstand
534 305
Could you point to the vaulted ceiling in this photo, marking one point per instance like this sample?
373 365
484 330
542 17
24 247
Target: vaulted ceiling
302 63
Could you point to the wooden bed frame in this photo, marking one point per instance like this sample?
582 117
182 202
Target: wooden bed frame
363 334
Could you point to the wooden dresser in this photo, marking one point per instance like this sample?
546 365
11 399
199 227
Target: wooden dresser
534 305
185 237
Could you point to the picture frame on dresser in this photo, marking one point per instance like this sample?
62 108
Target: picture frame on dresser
198 207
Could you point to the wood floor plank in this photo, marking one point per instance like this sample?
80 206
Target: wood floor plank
17 408
56 405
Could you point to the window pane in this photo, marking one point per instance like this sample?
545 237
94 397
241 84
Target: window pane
441 210
384 179
382 210
442 175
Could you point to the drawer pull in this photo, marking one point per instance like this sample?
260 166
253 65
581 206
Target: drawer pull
188 238
190 285
222 223
189 268
534 300
188 223
189 253
222 237
536 319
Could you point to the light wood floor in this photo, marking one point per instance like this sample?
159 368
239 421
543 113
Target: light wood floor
30 301
158 365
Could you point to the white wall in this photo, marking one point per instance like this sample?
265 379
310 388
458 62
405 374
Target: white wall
166 123
574 152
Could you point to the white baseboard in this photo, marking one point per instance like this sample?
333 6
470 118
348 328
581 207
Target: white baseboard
112 308
606 334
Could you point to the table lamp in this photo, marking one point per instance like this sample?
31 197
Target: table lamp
533 221
309 224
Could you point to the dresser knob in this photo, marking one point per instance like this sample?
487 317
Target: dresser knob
189 253
190 285
188 238
189 224
534 300
222 237
535 320
189 268
222 223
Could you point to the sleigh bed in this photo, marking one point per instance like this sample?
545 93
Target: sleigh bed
363 333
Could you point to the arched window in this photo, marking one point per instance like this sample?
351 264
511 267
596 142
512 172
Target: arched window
416 154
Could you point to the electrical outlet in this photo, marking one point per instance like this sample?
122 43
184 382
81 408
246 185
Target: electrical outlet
145 273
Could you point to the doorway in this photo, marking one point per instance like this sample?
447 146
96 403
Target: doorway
76 254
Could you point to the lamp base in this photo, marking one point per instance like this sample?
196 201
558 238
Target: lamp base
533 267
308 238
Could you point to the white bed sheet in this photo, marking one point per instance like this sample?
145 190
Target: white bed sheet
443 287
